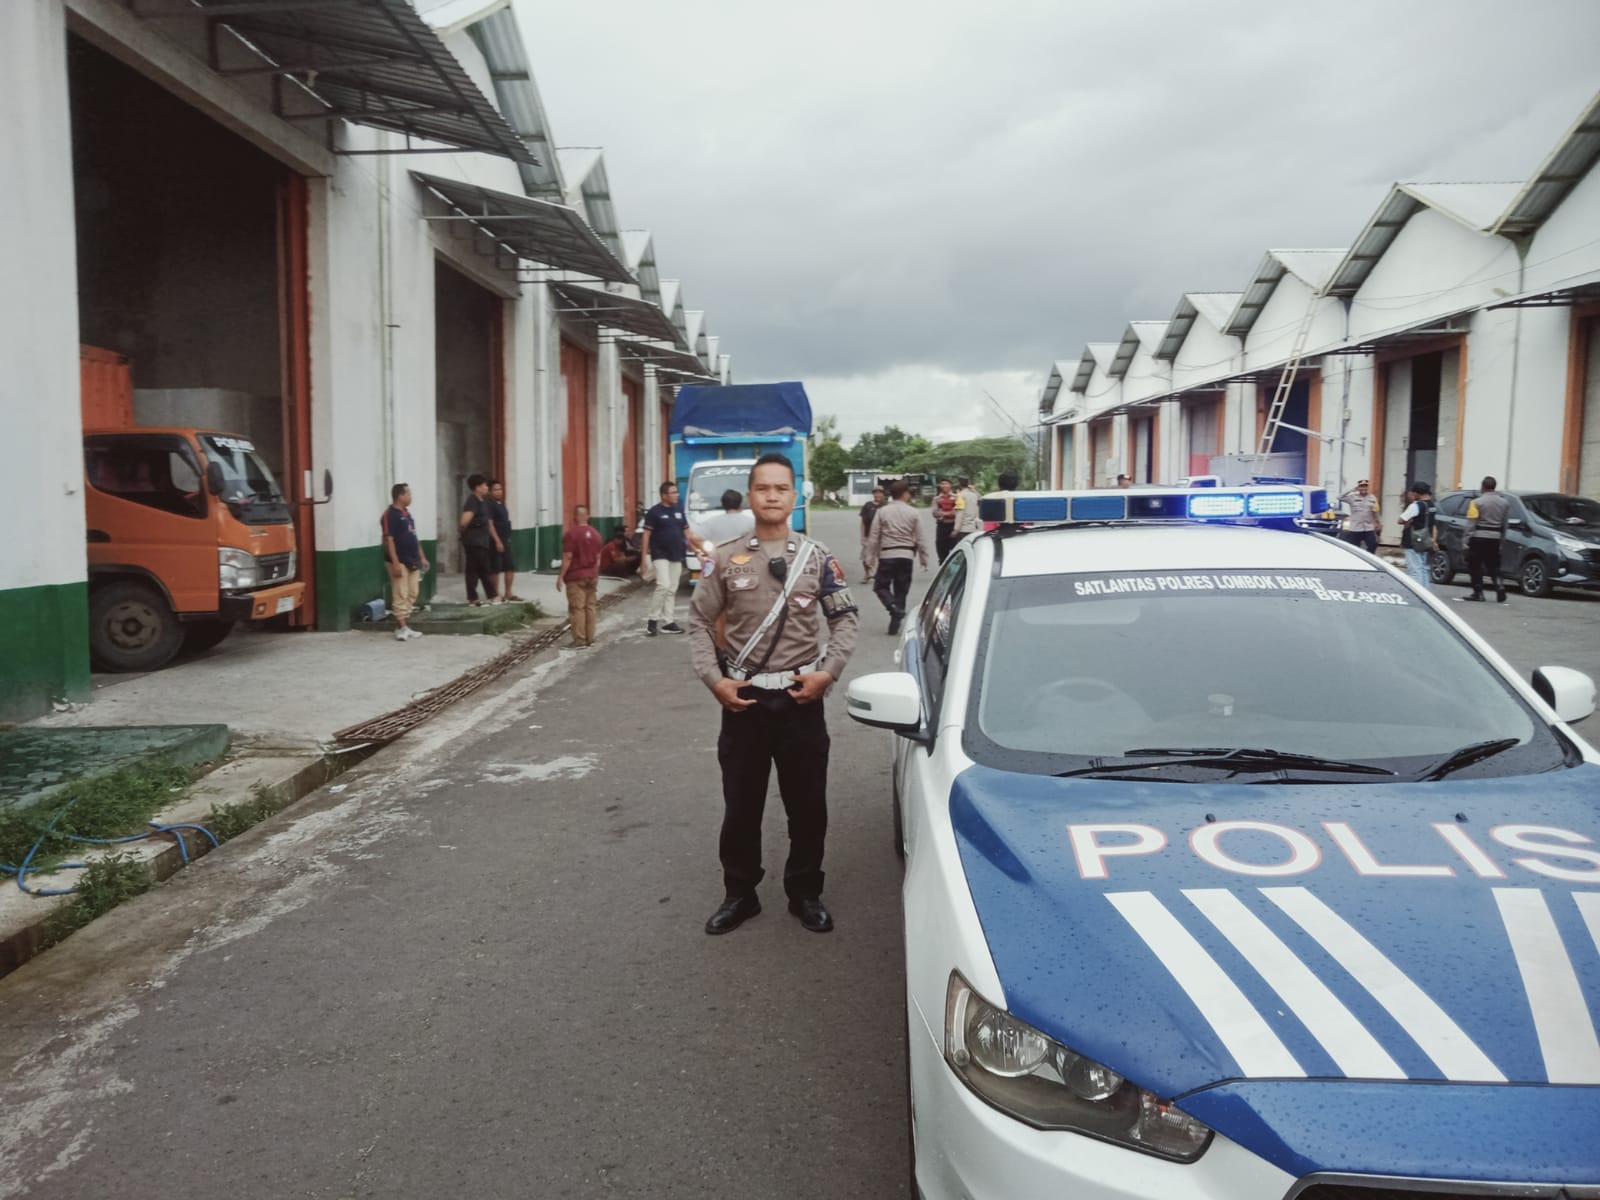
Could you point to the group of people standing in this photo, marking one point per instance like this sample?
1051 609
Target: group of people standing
485 525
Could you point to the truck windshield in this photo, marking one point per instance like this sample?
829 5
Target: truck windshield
248 486
707 483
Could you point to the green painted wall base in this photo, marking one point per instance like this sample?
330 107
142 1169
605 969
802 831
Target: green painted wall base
44 648
534 549
347 579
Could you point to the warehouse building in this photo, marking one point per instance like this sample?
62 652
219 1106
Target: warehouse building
343 232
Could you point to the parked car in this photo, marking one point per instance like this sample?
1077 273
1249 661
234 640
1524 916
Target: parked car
1552 540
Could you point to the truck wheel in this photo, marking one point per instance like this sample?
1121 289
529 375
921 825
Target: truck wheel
1535 578
1440 568
202 635
131 628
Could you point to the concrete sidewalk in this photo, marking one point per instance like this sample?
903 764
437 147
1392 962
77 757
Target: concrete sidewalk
293 690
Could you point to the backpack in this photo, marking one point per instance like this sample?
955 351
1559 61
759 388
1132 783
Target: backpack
1418 535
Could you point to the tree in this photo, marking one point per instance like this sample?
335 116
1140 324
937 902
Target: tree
979 459
881 451
828 461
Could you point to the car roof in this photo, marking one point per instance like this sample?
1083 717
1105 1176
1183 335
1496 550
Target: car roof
1175 546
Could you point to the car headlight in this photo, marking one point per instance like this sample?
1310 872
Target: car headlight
236 569
1571 545
1034 1078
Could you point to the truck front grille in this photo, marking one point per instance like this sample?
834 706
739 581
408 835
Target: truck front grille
273 567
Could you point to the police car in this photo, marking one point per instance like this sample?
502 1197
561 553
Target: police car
1236 866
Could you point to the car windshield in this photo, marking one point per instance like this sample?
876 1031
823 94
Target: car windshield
1568 511
706 485
248 486
1345 665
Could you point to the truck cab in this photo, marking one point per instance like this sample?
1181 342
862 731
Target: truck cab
188 534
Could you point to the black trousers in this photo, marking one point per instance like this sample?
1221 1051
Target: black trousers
892 584
795 737
1483 561
482 566
944 538
1367 539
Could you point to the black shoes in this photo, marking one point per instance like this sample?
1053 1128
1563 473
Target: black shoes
894 621
1500 597
735 911
649 629
812 914
673 627
1478 599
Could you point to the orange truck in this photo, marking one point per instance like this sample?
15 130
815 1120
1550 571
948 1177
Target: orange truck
188 532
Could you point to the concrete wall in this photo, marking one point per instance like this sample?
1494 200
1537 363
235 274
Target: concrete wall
43 598
1564 245
1271 339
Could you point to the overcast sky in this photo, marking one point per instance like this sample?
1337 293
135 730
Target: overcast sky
906 203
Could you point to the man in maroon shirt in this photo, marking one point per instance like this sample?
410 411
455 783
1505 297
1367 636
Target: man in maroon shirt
580 574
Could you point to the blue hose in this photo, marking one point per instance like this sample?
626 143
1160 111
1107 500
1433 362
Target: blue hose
21 872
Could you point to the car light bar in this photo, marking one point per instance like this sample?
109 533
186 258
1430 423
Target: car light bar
1278 502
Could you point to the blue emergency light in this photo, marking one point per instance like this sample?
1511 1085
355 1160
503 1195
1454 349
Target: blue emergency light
1249 505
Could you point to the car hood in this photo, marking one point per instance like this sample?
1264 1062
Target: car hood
1472 1132
1426 932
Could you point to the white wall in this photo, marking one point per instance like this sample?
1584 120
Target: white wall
1565 244
1434 267
1205 355
1271 339
1146 376
41 447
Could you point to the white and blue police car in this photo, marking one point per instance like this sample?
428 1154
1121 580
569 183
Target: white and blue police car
1236 866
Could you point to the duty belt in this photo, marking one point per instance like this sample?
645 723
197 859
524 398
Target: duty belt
771 681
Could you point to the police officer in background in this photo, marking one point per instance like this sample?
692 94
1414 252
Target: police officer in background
755 628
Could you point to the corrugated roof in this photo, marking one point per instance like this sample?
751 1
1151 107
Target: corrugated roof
588 187
663 358
1312 267
1052 385
1095 353
536 230
672 305
1573 158
499 40
639 254
1215 307
451 16
1467 204
1138 333
370 62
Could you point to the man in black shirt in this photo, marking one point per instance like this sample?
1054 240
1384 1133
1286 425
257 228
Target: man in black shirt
407 563
480 544
868 511
666 543
501 517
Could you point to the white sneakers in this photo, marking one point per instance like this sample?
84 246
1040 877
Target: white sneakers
405 633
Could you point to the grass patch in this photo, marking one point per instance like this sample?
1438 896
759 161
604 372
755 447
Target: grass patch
102 885
106 806
228 821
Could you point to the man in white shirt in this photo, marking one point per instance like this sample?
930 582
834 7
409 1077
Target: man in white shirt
734 521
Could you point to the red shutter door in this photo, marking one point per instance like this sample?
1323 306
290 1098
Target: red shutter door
575 446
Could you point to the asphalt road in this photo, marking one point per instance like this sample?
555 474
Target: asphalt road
478 968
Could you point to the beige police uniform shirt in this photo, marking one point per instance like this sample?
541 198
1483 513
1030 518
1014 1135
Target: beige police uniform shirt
897 532
737 590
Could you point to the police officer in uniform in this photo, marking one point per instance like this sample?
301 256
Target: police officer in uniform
755 626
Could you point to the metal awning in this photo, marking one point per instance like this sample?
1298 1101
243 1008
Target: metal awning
536 230
663 358
370 62
1579 289
617 312
1392 339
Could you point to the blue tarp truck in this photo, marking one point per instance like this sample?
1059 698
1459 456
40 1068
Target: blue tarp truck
717 431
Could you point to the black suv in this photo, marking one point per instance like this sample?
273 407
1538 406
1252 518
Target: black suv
1551 540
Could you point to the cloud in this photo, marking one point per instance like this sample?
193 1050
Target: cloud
909 192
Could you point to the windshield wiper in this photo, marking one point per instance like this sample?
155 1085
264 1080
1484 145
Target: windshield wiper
1468 755
1239 759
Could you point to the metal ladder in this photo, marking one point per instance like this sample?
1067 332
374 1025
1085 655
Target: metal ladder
1286 378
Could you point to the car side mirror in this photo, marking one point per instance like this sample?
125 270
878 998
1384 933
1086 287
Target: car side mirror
327 485
887 700
1569 692
215 480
